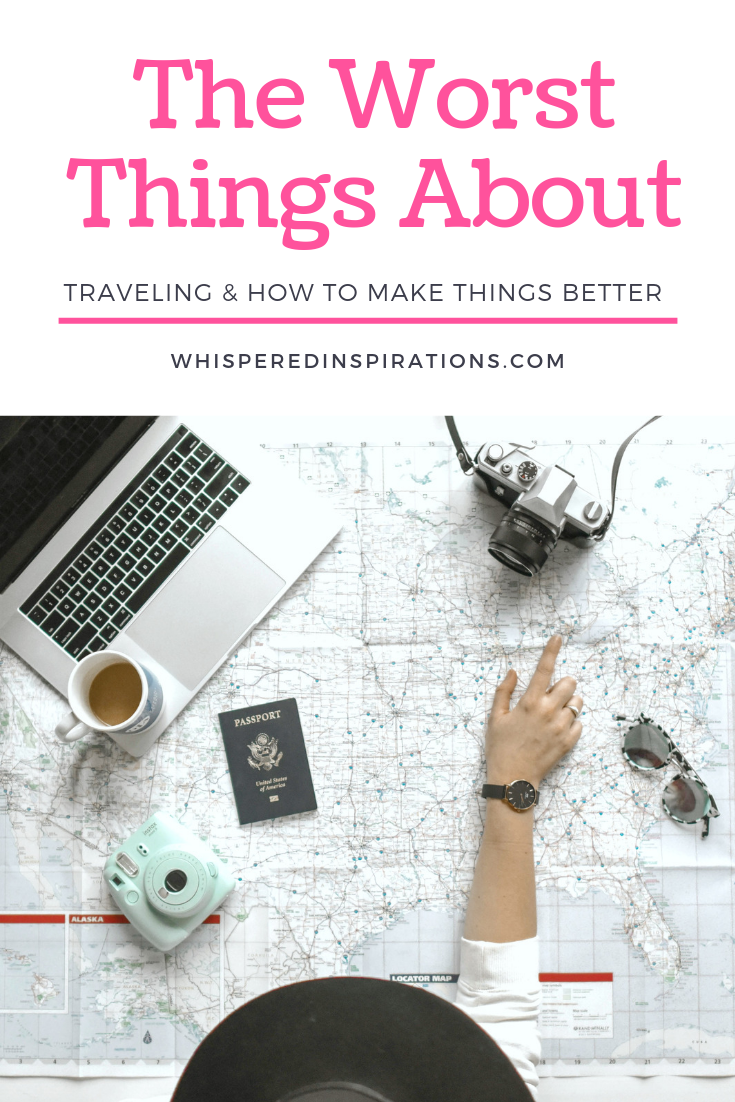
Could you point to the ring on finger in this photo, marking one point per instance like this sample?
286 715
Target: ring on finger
573 709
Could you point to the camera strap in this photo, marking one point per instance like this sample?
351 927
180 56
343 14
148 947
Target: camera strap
463 455
614 476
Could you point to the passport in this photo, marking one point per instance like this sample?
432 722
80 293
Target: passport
266 755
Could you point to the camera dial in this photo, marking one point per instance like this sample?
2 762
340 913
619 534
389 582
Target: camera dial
527 471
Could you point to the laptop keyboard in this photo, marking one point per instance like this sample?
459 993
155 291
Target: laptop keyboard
147 532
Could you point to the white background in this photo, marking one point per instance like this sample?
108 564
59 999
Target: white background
70 93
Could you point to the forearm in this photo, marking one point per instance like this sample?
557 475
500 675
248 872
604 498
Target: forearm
502 903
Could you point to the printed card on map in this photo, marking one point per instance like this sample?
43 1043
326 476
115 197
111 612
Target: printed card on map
266 754
575 1005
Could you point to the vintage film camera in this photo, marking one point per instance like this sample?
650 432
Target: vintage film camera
545 504
166 881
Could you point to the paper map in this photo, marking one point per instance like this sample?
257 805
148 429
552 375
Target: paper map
392 643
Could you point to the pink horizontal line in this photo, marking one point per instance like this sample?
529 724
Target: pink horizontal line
368 321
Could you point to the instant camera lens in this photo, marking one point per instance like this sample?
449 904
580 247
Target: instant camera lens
175 880
686 800
646 746
522 542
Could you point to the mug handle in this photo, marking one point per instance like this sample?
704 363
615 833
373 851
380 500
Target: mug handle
70 729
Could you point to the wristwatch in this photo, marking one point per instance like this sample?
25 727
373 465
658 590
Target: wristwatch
520 795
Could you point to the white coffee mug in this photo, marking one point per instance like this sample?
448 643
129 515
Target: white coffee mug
81 720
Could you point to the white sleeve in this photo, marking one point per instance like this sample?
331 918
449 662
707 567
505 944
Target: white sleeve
499 987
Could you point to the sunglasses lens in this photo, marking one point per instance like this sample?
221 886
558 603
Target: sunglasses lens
686 800
646 746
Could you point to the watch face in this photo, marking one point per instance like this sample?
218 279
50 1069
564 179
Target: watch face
521 795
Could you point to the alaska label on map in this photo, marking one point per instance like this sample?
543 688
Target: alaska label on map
267 759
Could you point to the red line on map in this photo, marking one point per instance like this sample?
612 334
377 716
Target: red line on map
368 321
575 977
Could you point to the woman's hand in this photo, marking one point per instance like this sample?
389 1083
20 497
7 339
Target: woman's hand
523 743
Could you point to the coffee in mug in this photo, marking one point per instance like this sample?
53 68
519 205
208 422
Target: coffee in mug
109 691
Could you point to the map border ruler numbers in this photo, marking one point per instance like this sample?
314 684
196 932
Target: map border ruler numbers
77 1066
41 918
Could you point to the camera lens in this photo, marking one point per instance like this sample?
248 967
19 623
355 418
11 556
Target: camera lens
522 542
175 880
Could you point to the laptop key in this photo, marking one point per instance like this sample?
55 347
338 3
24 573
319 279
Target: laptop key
228 497
89 581
179 528
101 567
192 537
116 524
49 602
66 607
139 499
100 620
221 480
116 575
192 465
167 540
187 444
94 550
82 563
157 503
105 537
112 555
109 632
164 569
205 522
127 562
111 606
203 452
60 590
80 640
161 523
96 644
184 497
241 483
203 502
93 601
151 486
169 490
191 515
52 622
134 579
150 537
195 485
66 632
138 550
77 594
172 511
210 468
217 509
145 516
38 615
156 553
71 576
122 592
123 541
82 614
162 473
128 511
173 461
134 529
145 566
123 617
180 477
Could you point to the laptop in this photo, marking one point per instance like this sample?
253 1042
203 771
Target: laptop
166 539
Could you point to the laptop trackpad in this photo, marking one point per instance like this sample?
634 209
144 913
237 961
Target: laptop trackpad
199 615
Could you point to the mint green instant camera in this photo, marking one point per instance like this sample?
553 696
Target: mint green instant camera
166 881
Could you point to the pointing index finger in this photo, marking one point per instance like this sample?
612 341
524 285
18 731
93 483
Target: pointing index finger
541 679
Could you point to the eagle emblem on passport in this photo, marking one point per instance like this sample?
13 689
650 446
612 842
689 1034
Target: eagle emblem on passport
265 752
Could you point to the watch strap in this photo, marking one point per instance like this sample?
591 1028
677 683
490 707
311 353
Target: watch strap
493 791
